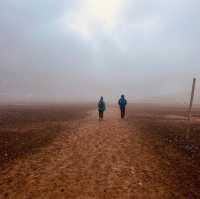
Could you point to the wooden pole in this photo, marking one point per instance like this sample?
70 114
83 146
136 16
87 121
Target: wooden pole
191 99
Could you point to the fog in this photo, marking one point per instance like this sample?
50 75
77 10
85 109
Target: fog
78 50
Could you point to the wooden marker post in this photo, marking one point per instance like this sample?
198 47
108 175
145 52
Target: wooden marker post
191 99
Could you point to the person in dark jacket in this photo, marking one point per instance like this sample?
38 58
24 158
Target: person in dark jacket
101 108
122 104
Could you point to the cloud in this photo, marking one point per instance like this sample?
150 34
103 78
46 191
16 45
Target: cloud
89 14
81 49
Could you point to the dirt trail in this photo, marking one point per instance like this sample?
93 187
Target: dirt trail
101 160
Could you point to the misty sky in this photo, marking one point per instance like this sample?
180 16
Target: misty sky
77 50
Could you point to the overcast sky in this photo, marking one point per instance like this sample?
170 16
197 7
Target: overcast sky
77 50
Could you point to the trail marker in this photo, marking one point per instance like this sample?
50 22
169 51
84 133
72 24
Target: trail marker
191 99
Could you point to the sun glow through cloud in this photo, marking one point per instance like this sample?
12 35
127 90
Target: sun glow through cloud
90 14
77 50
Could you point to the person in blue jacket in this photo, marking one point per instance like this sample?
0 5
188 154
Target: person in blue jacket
122 104
101 108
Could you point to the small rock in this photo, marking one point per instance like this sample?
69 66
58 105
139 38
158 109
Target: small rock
140 183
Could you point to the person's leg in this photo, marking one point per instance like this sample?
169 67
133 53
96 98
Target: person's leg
102 115
124 112
121 112
99 115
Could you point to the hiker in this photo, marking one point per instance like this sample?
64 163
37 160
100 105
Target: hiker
101 108
122 104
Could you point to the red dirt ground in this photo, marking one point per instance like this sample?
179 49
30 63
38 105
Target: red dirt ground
62 152
175 141
25 129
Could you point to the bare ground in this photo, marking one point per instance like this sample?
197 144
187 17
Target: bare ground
25 129
110 159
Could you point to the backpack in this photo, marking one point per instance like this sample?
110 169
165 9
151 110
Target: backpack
122 102
101 105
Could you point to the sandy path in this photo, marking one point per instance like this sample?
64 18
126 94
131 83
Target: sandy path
101 160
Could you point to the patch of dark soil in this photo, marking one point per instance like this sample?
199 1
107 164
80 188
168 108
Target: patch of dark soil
174 131
177 143
25 130
16 116
18 142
